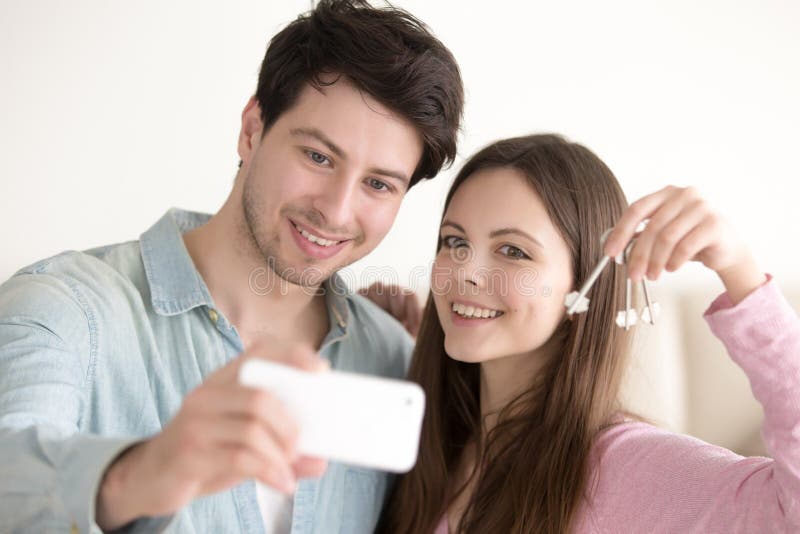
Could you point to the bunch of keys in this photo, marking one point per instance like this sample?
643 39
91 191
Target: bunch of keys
577 302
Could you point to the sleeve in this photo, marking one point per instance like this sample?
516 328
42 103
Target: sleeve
50 470
652 480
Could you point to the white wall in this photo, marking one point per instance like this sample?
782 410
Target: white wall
111 112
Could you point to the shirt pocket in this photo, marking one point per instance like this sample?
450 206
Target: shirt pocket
362 502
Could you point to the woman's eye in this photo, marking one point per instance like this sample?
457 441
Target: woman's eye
513 252
378 185
316 157
453 241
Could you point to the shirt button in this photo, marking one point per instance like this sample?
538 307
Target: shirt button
213 315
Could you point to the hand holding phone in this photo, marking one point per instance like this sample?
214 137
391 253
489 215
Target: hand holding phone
351 418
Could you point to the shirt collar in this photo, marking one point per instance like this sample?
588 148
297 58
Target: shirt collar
336 294
175 285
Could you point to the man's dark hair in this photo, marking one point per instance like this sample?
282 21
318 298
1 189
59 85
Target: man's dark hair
385 52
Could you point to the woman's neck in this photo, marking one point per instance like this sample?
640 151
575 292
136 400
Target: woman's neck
501 381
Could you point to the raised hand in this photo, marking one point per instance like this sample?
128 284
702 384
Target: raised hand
681 227
402 304
224 433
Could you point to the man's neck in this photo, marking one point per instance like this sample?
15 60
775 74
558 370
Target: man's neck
279 310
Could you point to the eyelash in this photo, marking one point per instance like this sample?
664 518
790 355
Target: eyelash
447 241
522 256
452 241
311 153
385 187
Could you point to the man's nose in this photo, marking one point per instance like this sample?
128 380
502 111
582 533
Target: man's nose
337 203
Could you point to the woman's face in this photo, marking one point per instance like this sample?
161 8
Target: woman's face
501 259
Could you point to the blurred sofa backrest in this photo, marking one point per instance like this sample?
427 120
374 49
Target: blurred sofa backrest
681 378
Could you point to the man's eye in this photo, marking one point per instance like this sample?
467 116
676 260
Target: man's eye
378 185
316 157
513 252
453 241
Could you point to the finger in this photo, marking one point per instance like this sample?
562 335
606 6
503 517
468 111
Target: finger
397 306
691 245
640 210
221 482
238 463
653 235
376 292
672 234
253 435
244 402
308 467
413 314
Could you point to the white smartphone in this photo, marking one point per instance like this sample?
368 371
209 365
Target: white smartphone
346 417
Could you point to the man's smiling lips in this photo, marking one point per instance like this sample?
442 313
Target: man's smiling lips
314 244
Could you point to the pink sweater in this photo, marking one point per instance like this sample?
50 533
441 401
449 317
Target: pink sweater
645 479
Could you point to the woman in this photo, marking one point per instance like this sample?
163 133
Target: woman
523 431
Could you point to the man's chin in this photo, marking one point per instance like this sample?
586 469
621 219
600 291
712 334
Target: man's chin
309 276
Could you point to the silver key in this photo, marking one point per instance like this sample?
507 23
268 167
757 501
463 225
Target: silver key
649 314
577 302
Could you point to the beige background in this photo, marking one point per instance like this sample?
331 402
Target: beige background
114 111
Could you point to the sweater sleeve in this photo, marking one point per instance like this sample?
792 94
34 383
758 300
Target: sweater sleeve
646 479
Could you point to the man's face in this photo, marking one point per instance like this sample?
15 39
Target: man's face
323 186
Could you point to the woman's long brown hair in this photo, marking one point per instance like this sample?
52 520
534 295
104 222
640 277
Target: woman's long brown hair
532 467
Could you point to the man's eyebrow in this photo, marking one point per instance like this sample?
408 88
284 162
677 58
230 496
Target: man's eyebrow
517 231
397 175
321 137
333 147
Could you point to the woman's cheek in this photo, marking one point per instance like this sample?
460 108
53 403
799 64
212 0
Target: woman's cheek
442 277
527 281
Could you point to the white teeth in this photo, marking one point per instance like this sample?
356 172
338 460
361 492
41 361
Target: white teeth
473 312
314 239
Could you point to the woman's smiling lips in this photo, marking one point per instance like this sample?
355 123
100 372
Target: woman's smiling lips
465 313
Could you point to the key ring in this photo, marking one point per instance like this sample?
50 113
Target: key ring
577 302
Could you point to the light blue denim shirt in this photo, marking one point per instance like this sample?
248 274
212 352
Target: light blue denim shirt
97 351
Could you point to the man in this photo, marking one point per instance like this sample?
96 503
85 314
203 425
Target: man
119 404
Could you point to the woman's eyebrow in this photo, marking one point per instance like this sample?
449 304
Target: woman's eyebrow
454 225
495 233
504 231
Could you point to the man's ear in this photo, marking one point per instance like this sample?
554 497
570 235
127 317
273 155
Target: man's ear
250 134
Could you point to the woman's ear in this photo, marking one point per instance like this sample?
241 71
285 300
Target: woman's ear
252 128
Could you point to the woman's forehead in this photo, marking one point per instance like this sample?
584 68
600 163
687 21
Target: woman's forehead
498 198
